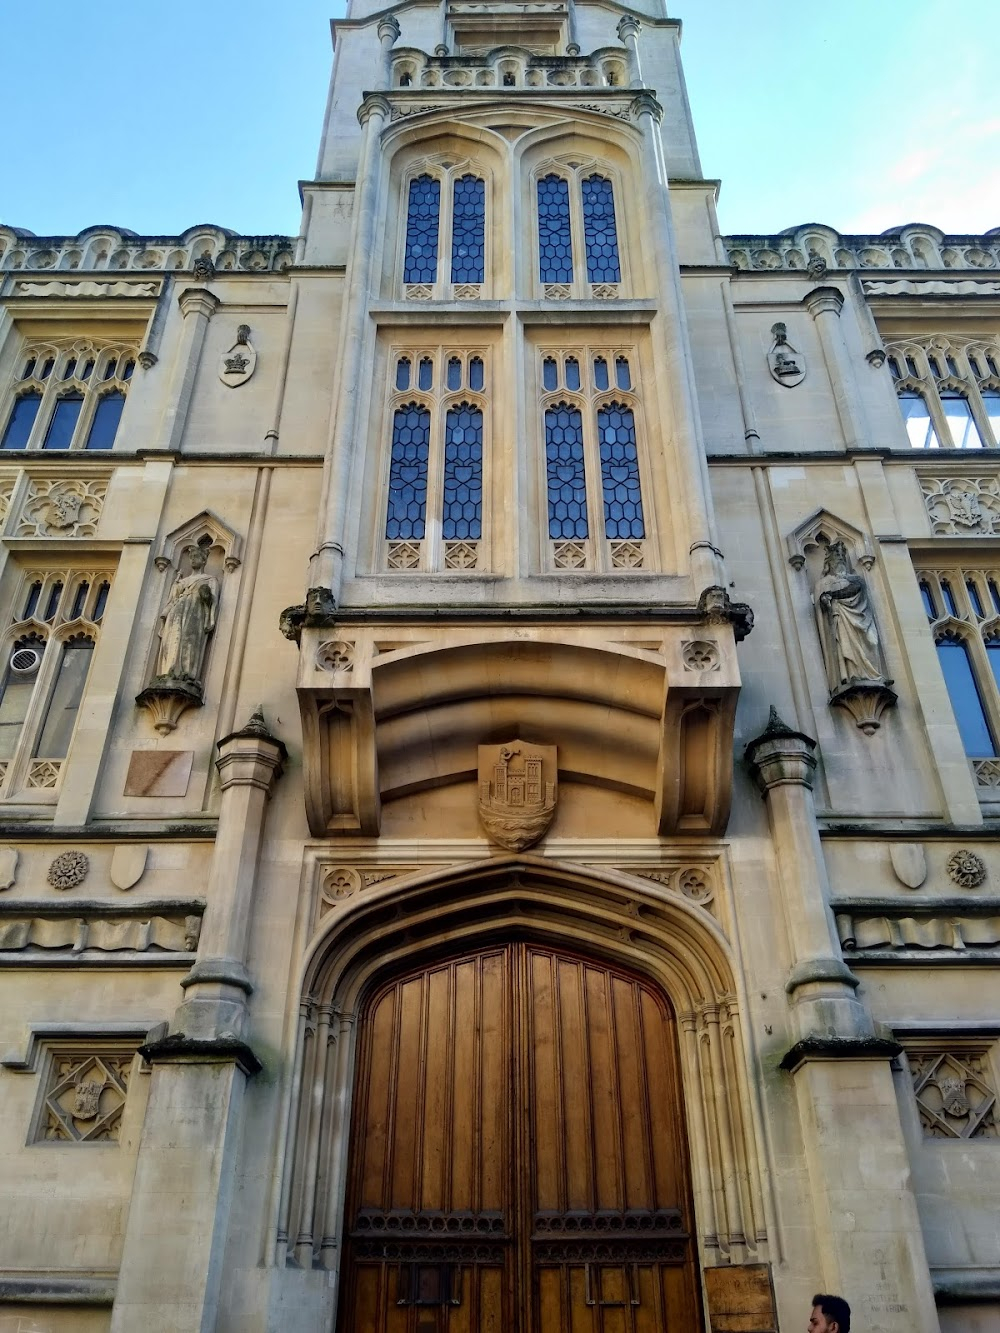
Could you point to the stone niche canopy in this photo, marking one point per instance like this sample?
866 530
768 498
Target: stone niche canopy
392 710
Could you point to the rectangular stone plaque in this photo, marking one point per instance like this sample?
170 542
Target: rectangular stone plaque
159 772
741 1299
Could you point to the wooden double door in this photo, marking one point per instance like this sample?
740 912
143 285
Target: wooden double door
518 1157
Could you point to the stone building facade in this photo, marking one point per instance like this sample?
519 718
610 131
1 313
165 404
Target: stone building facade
499 733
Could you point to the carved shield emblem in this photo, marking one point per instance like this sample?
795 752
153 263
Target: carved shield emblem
517 792
87 1100
787 366
953 1096
8 867
127 865
909 863
239 363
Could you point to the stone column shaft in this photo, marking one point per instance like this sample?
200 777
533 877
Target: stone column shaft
198 305
825 305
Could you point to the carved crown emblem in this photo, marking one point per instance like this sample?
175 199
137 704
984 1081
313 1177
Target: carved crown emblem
517 792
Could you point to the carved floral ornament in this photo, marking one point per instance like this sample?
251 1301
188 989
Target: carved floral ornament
962 506
68 870
62 508
966 869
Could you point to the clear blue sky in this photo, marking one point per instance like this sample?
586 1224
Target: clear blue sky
859 115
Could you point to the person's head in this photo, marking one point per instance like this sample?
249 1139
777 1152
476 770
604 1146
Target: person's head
198 557
830 1314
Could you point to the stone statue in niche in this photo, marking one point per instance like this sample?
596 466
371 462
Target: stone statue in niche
852 650
186 625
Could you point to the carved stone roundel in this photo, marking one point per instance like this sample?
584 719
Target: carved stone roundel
967 869
68 870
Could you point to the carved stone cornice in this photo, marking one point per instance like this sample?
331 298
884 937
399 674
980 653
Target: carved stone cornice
179 1049
644 103
251 756
388 29
824 301
198 301
373 104
839 1048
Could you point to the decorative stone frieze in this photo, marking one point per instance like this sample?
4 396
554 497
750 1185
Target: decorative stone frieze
885 929
955 1088
61 507
101 248
966 869
963 506
83 1093
98 929
104 290
68 870
814 249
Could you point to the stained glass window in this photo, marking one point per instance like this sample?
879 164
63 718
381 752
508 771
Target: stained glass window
425 374
600 373
454 377
476 373
411 434
555 247
599 231
564 471
403 373
422 213
550 374
468 234
463 474
623 377
572 373
620 473
21 421
104 426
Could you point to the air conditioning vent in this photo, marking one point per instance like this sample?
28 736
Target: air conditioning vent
25 659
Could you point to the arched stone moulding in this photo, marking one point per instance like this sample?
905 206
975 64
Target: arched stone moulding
822 528
602 914
192 533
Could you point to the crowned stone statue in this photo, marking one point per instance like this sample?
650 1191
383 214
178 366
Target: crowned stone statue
852 650
186 624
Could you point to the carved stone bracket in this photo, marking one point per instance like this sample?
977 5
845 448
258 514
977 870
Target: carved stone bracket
716 607
866 701
166 701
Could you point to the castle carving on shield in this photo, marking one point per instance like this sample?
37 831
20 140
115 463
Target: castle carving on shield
500 732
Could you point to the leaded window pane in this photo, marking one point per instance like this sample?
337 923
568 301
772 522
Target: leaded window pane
961 425
555 247
463 474
411 433
991 402
550 374
623 377
425 375
600 233
917 418
454 376
63 423
403 374
476 373
564 470
64 704
620 473
928 600
104 426
422 214
22 419
572 373
468 236
965 698
600 373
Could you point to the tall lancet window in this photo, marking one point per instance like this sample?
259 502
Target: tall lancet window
600 232
422 218
555 244
411 437
468 231
620 473
567 484
462 518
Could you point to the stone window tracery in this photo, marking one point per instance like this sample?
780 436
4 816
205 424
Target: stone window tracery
445 253
954 1085
963 611
593 470
948 390
576 216
434 508
46 653
68 394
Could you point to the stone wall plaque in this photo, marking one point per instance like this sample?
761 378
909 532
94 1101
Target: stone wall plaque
159 772
741 1299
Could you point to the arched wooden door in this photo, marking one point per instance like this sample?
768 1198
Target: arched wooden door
518 1157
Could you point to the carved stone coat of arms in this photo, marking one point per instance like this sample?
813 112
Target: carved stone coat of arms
517 792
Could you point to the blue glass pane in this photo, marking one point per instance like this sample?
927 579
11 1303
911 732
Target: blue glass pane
995 595
411 433
555 248
928 598
572 373
476 373
21 421
468 236
599 231
965 700
104 426
425 374
620 473
564 470
403 374
949 598
550 374
974 598
454 373
623 377
917 419
958 415
63 423
600 373
421 260
463 474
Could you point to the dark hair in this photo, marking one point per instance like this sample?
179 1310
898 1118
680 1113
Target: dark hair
835 1308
